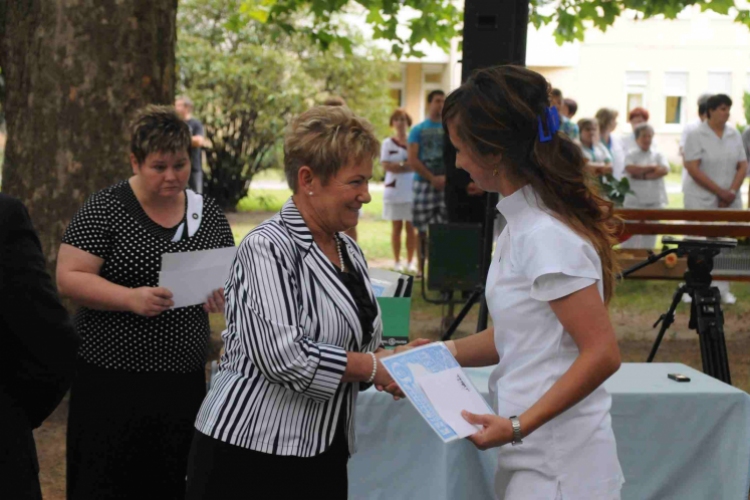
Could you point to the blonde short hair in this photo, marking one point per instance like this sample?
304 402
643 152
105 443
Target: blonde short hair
326 138
605 116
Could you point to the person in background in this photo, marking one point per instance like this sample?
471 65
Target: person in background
141 372
552 276
596 156
38 355
702 114
636 117
702 108
184 107
716 163
569 108
335 100
746 143
568 127
607 119
398 198
645 169
426 159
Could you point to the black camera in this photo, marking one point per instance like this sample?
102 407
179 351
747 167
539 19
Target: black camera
700 256
696 242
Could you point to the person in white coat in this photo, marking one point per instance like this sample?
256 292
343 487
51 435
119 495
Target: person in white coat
607 119
398 198
636 117
716 165
645 169
551 278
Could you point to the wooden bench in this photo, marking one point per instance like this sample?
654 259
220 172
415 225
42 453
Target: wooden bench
708 223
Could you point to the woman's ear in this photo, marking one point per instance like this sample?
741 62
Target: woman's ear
305 179
134 164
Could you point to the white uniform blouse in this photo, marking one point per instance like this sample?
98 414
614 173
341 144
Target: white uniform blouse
646 193
539 259
398 187
718 160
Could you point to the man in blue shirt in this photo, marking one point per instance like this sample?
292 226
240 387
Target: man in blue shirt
426 159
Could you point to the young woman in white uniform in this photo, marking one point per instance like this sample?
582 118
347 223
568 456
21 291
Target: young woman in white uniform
550 280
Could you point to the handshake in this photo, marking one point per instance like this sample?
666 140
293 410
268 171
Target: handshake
383 380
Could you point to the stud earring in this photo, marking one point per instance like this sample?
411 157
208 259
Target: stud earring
310 193
494 173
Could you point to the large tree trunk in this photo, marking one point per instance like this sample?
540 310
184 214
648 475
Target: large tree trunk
75 71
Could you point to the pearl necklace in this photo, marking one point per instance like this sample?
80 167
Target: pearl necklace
338 249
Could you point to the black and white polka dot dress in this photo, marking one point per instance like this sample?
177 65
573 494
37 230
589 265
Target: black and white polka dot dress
113 226
140 380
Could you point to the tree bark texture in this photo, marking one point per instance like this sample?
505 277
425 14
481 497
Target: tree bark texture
75 73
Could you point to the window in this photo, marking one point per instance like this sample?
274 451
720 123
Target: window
397 95
675 92
433 78
636 83
397 83
720 82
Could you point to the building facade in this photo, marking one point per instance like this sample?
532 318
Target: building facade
661 65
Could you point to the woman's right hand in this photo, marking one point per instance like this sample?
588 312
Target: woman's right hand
727 196
383 380
150 301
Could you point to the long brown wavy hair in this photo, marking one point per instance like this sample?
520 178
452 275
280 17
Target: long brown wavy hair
496 112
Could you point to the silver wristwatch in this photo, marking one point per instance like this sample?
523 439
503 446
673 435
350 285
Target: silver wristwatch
516 430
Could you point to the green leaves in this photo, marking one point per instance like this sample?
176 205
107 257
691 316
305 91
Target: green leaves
439 21
248 79
615 190
573 17
432 21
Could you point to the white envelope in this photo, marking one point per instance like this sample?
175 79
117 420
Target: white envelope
451 392
201 259
193 276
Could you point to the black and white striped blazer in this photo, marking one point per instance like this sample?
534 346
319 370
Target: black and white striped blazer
290 322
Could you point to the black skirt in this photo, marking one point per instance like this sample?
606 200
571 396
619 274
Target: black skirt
129 434
222 471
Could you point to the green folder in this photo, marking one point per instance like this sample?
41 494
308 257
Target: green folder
395 314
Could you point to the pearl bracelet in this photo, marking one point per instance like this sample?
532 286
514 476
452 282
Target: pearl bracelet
374 368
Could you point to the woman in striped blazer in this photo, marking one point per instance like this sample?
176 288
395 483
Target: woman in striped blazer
303 330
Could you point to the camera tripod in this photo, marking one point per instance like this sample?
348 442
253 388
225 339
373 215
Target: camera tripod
706 316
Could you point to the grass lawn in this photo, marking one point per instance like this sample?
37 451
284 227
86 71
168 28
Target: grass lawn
636 306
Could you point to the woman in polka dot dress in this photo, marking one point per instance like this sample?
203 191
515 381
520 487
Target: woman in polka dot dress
141 377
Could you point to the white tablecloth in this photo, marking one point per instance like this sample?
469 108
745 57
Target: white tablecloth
675 441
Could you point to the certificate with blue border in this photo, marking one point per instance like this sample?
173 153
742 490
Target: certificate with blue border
408 366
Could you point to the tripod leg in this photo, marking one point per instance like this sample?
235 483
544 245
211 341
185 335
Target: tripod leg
709 323
666 321
475 296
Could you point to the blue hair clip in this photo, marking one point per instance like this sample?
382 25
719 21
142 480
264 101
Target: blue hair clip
552 117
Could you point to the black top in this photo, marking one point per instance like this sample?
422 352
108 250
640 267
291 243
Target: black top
113 226
366 309
39 343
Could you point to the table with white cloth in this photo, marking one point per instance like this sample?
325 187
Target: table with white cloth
675 440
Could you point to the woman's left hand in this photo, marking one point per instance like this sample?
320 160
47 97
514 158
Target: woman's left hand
215 302
496 431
